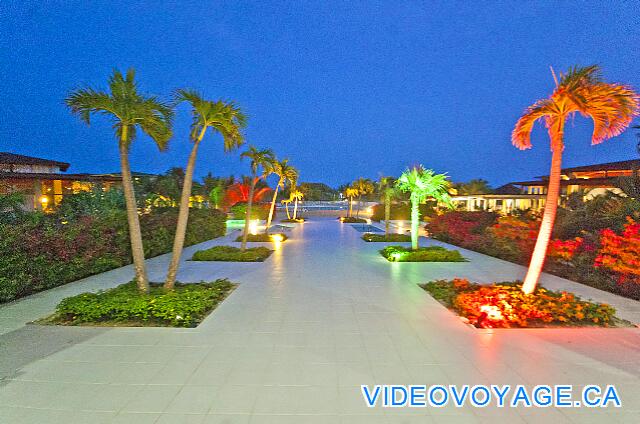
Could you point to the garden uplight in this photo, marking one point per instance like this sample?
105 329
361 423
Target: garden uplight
396 256
253 227
277 238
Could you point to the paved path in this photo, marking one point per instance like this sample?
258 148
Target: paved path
293 344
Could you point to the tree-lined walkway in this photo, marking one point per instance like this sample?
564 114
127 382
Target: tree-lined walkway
324 314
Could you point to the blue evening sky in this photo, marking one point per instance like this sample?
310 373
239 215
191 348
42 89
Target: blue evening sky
345 89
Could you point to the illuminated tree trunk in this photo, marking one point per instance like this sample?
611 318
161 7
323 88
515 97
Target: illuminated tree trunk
273 207
183 215
415 221
286 206
387 212
247 217
548 218
350 206
358 208
295 209
135 235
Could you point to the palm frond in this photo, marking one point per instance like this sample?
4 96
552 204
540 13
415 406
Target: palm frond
521 135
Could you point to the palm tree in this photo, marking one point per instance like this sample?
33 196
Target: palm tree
610 106
350 193
258 158
364 186
422 184
224 118
129 111
296 195
286 173
386 187
286 202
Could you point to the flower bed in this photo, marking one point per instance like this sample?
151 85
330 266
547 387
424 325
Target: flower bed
396 238
232 254
185 306
423 254
504 305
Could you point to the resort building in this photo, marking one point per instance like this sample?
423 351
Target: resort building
590 181
44 182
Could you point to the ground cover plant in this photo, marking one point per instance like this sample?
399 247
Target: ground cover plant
504 305
262 237
422 254
232 254
296 220
184 306
396 238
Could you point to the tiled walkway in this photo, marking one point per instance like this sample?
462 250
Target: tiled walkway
294 342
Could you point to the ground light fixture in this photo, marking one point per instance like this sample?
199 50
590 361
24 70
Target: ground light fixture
277 238
253 227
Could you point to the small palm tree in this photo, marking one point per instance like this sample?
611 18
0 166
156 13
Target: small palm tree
422 184
581 90
258 159
129 111
296 195
363 186
286 173
350 193
224 118
387 189
286 203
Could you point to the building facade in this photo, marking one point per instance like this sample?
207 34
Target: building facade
44 182
589 181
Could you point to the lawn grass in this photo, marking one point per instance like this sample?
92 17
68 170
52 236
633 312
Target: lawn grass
185 306
423 254
263 237
232 254
504 305
396 238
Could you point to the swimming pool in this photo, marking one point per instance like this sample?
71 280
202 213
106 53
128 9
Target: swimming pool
366 228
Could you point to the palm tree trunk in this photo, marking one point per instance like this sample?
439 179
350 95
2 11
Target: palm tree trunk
295 209
350 206
387 213
358 208
548 218
247 217
286 206
135 235
415 221
183 216
273 207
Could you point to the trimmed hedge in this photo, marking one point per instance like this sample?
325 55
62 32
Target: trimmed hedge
353 220
185 306
396 238
266 238
46 251
423 254
232 254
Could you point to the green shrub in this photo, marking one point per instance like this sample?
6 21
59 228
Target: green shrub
402 211
423 254
258 211
297 220
505 305
396 238
185 306
263 237
353 220
232 254
46 251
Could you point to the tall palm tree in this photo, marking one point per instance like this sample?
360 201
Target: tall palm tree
580 90
258 159
286 173
129 111
286 203
224 118
422 184
296 195
350 193
364 186
387 189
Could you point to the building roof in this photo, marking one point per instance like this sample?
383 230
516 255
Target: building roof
16 159
585 182
608 166
53 176
508 189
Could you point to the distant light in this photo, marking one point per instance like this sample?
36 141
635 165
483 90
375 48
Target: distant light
44 200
